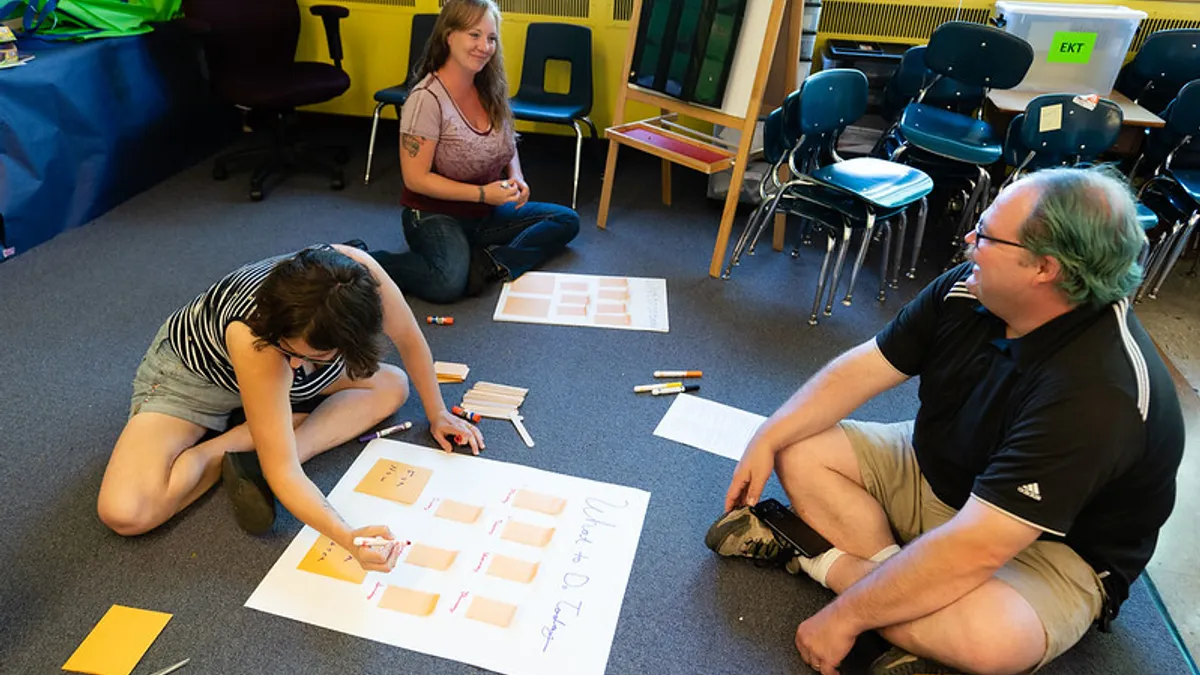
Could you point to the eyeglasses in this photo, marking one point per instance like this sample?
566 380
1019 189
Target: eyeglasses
980 236
320 363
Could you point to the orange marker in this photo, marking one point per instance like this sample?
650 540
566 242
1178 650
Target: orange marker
678 373
440 320
467 414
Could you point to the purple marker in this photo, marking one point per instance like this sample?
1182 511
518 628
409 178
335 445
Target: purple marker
385 432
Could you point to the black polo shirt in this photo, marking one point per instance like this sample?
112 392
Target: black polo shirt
1074 429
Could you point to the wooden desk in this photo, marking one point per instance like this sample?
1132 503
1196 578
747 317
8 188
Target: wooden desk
1006 104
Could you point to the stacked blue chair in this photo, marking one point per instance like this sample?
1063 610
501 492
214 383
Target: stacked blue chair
1167 60
840 196
422 29
951 145
1173 191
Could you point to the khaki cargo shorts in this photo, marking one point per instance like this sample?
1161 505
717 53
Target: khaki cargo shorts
1063 590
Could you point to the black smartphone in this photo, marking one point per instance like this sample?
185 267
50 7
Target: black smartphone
790 530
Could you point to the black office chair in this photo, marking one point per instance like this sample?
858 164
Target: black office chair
559 42
422 29
250 50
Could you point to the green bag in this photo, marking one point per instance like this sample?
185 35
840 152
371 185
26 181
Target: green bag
89 19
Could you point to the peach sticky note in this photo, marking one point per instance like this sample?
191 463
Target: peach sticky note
529 307
458 511
491 611
619 282
395 481
612 319
431 557
573 286
571 310
573 299
534 284
536 501
611 308
118 642
327 558
524 533
513 569
408 601
613 294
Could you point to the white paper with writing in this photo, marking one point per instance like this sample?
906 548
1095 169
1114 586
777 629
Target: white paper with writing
565 616
715 427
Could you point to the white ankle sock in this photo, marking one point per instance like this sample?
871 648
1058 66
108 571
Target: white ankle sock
885 553
818 566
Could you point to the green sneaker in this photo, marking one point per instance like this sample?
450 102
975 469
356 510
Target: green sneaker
896 661
252 499
740 533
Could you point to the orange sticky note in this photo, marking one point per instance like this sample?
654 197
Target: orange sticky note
524 533
329 559
408 601
430 556
118 642
536 501
536 284
491 611
395 481
513 569
517 305
458 511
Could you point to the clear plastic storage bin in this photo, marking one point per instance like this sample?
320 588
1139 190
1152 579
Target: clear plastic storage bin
1076 48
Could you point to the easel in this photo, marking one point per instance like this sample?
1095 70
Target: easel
662 137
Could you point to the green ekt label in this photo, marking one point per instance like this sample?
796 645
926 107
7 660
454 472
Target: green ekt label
1068 47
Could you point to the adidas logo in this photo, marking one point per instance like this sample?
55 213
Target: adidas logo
1032 491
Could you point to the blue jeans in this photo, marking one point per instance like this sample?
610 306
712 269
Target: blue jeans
438 262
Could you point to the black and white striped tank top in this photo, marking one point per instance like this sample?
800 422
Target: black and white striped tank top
197 331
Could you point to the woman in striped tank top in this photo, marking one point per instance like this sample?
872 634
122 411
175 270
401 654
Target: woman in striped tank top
287 330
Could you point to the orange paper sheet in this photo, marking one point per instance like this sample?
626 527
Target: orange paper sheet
530 307
408 601
458 511
613 294
118 642
328 559
524 533
513 569
431 557
614 283
491 611
534 284
571 310
573 299
536 501
395 481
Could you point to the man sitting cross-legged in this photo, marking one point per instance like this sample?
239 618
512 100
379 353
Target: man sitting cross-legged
1029 491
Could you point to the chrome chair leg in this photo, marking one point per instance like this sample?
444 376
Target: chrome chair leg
812 318
868 231
578 150
371 146
884 251
1155 261
1176 251
837 268
740 246
900 234
918 237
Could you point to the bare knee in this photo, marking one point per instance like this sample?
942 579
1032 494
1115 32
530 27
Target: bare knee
127 515
391 388
807 463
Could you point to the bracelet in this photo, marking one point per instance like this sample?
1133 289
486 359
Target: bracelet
481 195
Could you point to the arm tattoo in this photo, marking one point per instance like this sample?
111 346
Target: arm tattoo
411 144
481 195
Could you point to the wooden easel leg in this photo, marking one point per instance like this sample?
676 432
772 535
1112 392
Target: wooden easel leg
610 172
731 202
666 182
780 218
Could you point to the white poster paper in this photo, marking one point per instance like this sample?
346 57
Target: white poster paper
714 427
629 303
508 568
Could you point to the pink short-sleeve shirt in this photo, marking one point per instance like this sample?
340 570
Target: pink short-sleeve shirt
463 153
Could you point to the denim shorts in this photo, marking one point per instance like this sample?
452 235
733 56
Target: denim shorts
163 384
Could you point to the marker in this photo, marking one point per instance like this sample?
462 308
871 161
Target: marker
440 320
641 388
170 669
385 432
677 373
375 541
467 414
675 390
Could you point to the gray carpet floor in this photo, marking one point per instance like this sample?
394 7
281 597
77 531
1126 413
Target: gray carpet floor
77 313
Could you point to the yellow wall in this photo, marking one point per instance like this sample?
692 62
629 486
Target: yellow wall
375 43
